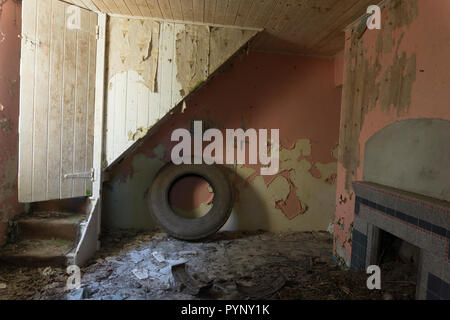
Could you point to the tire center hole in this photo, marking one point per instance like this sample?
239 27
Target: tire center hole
191 197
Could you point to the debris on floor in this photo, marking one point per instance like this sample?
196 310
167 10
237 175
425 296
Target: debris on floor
230 265
259 292
191 285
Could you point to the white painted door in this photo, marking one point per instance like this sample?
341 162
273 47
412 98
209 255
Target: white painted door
57 100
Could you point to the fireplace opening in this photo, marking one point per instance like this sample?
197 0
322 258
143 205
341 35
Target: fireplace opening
399 264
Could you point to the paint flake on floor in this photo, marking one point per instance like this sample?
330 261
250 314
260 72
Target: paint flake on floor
230 265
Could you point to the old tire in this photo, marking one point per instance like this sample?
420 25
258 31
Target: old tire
190 229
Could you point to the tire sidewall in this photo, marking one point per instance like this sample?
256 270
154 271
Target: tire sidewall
183 228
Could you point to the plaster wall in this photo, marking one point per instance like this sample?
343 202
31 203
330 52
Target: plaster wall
10 26
411 155
295 94
397 73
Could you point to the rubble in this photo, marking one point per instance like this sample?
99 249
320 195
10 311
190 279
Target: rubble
230 265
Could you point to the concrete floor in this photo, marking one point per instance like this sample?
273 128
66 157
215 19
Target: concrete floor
138 266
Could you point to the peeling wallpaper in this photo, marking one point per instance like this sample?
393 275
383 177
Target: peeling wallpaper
139 51
399 72
298 95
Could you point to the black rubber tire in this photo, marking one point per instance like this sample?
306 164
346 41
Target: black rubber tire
190 229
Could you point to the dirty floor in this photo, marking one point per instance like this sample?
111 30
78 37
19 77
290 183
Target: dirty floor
227 266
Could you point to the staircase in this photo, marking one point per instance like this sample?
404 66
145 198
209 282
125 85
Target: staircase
46 237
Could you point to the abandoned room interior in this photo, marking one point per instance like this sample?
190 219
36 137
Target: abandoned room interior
224 150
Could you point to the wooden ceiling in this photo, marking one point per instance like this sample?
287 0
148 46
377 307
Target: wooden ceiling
310 27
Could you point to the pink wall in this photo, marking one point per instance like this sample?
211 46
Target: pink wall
339 70
399 72
295 94
10 24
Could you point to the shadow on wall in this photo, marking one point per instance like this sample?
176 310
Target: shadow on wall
126 206
412 155
259 204
257 91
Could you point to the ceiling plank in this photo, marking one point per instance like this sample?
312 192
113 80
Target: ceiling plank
177 11
153 5
79 3
210 11
232 10
266 11
243 12
101 5
111 4
90 5
165 9
188 10
295 26
122 7
199 10
132 6
221 9
143 8
278 22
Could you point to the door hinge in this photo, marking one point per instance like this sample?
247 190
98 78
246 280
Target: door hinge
81 175
97 32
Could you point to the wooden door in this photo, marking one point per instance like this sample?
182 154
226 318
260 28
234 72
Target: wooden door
57 100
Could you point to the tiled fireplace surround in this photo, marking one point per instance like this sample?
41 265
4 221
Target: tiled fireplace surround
419 220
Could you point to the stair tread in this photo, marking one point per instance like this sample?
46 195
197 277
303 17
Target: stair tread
53 218
41 248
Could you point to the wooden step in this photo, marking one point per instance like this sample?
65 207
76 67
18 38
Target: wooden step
77 205
37 253
50 225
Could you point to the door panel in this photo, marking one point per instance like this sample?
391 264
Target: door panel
57 101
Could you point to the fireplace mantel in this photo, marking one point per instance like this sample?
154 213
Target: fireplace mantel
419 220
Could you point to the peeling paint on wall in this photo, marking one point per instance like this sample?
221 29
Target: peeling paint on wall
393 74
136 47
249 97
367 83
192 57
224 43
152 68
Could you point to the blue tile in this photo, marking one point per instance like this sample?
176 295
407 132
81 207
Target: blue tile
434 284
381 208
445 291
390 212
432 296
357 207
440 231
412 220
356 236
355 263
425 225
401 215
358 264
364 243
356 249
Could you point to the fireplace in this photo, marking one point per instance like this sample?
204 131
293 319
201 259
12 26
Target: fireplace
421 221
